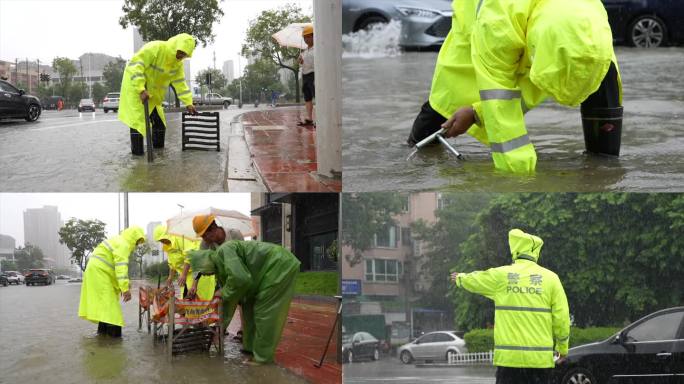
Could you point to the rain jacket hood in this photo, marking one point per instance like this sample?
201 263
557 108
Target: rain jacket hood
133 234
182 42
524 246
570 51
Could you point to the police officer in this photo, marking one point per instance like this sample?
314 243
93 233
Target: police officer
531 312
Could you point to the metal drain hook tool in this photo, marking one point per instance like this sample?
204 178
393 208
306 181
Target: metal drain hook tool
439 135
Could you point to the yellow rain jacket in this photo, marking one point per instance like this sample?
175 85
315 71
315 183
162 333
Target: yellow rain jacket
154 67
505 57
177 253
531 317
106 277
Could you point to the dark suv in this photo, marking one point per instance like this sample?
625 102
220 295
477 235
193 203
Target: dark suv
39 276
16 104
650 350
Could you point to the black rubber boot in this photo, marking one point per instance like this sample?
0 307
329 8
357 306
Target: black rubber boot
137 143
158 130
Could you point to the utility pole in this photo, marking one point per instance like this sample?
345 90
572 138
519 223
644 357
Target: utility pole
38 60
214 60
28 78
80 63
125 196
240 73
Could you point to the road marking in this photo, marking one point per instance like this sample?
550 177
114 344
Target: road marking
73 125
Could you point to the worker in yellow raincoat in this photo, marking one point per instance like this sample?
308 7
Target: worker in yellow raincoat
147 76
106 279
505 57
176 248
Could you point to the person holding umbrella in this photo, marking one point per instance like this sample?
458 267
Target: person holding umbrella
146 78
259 277
106 278
306 60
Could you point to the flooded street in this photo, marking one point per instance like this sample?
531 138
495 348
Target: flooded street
382 96
45 341
63 151
391 370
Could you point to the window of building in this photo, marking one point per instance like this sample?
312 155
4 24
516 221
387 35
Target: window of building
406 236
386 238
383 270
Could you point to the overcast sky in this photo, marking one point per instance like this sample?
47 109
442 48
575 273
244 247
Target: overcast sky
143 207
44 29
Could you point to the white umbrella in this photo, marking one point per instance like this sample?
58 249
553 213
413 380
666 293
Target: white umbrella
291 36
181 225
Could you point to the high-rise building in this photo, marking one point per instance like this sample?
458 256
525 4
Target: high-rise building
154 245
229 71
41 229
7 246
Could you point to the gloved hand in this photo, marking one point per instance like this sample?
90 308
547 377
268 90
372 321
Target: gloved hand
459 123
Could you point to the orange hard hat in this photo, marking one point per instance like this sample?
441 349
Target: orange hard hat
200 223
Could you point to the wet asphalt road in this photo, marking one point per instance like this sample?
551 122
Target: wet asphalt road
44 341
391 370
382 96
70 152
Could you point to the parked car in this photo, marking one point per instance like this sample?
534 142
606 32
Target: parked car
3 279
62 277
650 350
40 276
86 105
111 102
424 23
213 99
15 277
646 23
360 345
432 346
16 104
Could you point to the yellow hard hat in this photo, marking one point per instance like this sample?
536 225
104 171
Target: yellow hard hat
200 223
308 30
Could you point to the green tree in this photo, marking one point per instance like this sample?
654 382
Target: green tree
28 257
618 255
99 92
364 215
77 91
218 81
260 76
81 237
66 70
113 74
260 43
8 265
135 260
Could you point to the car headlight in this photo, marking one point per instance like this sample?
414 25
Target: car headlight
418 12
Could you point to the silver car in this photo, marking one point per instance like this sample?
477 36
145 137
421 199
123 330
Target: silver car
111 102
424 23
432 346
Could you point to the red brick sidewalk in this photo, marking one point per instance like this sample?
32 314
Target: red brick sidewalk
284 154
306 332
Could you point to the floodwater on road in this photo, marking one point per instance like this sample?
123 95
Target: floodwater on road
43 340
65 152
390 370
383 95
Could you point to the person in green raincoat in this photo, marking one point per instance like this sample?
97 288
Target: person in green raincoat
147 76
505 57
106 279
260 277
177 248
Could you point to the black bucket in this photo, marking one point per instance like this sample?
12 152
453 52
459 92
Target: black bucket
602 130
137 143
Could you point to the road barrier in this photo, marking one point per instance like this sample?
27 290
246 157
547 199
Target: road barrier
471 358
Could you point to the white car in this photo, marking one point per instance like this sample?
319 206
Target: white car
432 346
111 102
14 277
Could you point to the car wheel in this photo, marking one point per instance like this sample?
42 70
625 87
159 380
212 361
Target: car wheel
376 355
106 110
226 104
370 21
33 112
350 357
579 376
647 31
406 357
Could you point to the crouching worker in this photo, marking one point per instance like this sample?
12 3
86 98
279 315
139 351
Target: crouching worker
106 279
258 276
177 248
147 76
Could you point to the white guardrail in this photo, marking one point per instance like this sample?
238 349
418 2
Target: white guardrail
471 358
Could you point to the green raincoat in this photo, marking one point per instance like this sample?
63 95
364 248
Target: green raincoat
260 277
505 57
154 67
177 253
106 277
531 317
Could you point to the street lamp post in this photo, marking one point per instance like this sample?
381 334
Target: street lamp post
240 72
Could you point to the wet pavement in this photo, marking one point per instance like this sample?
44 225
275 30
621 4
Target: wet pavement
66 151
382 96
284 154
43 340
391 370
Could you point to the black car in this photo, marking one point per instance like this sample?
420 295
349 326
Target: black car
3 280
360 345
16 104
646 23
39 276
650 350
